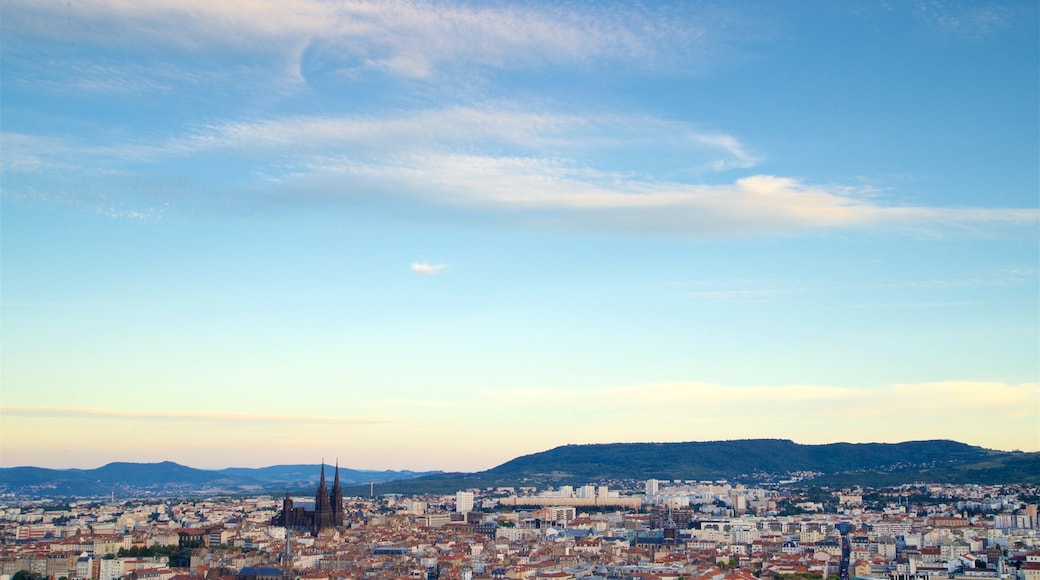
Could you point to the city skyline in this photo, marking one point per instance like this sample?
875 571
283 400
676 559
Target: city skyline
441 235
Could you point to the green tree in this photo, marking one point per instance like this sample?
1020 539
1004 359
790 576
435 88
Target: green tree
181 558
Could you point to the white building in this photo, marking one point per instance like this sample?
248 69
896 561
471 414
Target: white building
463 502
651 487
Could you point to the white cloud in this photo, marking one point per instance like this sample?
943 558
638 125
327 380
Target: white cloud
542 174
451 126
546 192
467 131
427 269
409 38
533 168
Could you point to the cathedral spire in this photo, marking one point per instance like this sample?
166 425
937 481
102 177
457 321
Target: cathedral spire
336 498
287 556
322 504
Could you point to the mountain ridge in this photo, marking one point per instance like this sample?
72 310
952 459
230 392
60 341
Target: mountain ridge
755 461
745 461
167 478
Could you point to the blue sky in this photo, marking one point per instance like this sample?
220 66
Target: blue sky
441 235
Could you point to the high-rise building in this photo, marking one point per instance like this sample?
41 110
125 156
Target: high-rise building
651 487
463 502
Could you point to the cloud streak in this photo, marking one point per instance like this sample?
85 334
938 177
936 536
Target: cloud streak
932 399
137 415
406 38
545 193
535 169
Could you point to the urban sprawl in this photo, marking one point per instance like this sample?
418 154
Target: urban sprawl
647 530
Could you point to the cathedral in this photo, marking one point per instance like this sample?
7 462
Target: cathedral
327 513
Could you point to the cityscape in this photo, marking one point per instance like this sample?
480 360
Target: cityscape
626 530
519 290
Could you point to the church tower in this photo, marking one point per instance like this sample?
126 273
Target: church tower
287 510
336 498
671 531
287 557
322 503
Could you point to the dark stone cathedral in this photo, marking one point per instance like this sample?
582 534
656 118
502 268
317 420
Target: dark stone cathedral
327 513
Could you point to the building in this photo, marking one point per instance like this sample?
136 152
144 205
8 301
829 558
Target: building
681 518
327 513
463 502
259 573
651 487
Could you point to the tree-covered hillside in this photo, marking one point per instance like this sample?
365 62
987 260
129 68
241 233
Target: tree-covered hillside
750 460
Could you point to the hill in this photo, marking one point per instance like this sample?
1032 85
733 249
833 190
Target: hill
753 461
172 479
746 461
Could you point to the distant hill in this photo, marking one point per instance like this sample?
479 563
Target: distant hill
746 461
1000 468
172 479
307 475
741 459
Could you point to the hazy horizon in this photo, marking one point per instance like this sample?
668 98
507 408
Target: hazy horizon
439 235
333 463
406 469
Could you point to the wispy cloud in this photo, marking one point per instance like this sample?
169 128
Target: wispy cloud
506 128
548 193
65 74
968 20
341 143
677 393
737 294
427 269
932 399
731 290
911 305
542 166
134 414
1011 276
536 169
410 38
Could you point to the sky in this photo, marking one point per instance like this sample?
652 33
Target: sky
440 235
